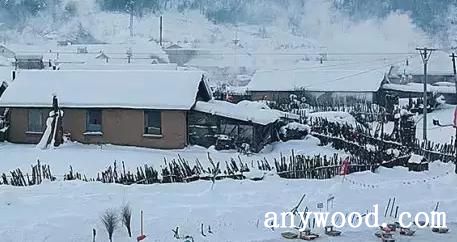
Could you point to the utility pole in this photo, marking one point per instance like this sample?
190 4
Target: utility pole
453 56
54 13
161 29
131 4
425 54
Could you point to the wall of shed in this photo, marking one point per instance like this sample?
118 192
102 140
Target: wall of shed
340 97
120 127
204 129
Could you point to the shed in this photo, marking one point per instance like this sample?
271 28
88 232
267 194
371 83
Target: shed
29 62
239 124
417 163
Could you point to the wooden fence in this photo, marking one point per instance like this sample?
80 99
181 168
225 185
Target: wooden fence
359 140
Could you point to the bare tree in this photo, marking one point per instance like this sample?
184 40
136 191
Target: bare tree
127 218
110 220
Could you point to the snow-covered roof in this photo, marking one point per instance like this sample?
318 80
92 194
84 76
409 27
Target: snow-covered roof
439 64
336 117
245 111
137 89
211 59
29 57
317 80
418 88
109 66
143 52
417 159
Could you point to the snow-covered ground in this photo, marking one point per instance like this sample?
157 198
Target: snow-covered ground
90 159
445 114
68 211
435 133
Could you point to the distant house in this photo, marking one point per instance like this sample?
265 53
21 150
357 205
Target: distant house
406 78
147 108
323 86
177 54
439 69
133 107
29 62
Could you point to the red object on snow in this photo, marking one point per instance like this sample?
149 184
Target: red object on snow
345 167
141 237
455 117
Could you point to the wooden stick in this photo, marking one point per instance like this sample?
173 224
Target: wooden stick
387 208
142 222
392 208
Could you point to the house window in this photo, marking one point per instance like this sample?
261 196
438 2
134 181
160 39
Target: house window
36 120
153 122
94 121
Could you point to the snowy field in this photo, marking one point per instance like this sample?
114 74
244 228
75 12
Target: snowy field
90 159
68 211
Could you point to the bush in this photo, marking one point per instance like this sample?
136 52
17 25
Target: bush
110 220
127 218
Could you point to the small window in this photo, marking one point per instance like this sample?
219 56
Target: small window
153 122
94 121
36 120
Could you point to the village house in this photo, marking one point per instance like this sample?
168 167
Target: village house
137 108
439 69
407 78
145 108
324 86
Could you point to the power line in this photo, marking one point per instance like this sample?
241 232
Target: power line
359 73
330 67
